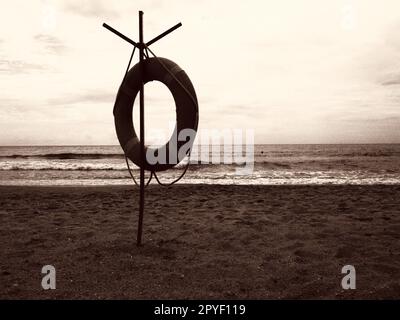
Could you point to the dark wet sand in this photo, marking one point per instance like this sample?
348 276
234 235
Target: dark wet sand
201 241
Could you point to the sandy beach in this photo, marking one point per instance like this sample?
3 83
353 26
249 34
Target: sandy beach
201 241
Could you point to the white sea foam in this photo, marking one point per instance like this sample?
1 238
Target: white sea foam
274 165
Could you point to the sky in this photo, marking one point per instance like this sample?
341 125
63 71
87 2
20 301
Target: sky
305 71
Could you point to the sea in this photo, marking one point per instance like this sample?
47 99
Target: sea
306 164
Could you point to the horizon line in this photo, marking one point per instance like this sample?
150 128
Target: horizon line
256 144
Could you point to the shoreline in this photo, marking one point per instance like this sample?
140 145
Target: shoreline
227 184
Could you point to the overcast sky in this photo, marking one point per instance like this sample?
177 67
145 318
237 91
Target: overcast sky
306 71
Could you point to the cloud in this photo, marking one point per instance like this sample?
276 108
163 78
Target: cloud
19 67
89 8
90 97
51 43
7 102
391 83
392 80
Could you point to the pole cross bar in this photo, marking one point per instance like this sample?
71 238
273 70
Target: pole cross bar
122 36
162 35
137 45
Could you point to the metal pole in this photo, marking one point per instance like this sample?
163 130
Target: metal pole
141 46
142 155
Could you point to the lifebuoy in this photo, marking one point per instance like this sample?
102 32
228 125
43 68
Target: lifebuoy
187 113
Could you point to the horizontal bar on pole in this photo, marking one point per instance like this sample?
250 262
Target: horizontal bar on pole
119 34
162 35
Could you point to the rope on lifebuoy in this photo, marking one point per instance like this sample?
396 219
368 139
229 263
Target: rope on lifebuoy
131 174
173 76
194 101
126 158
